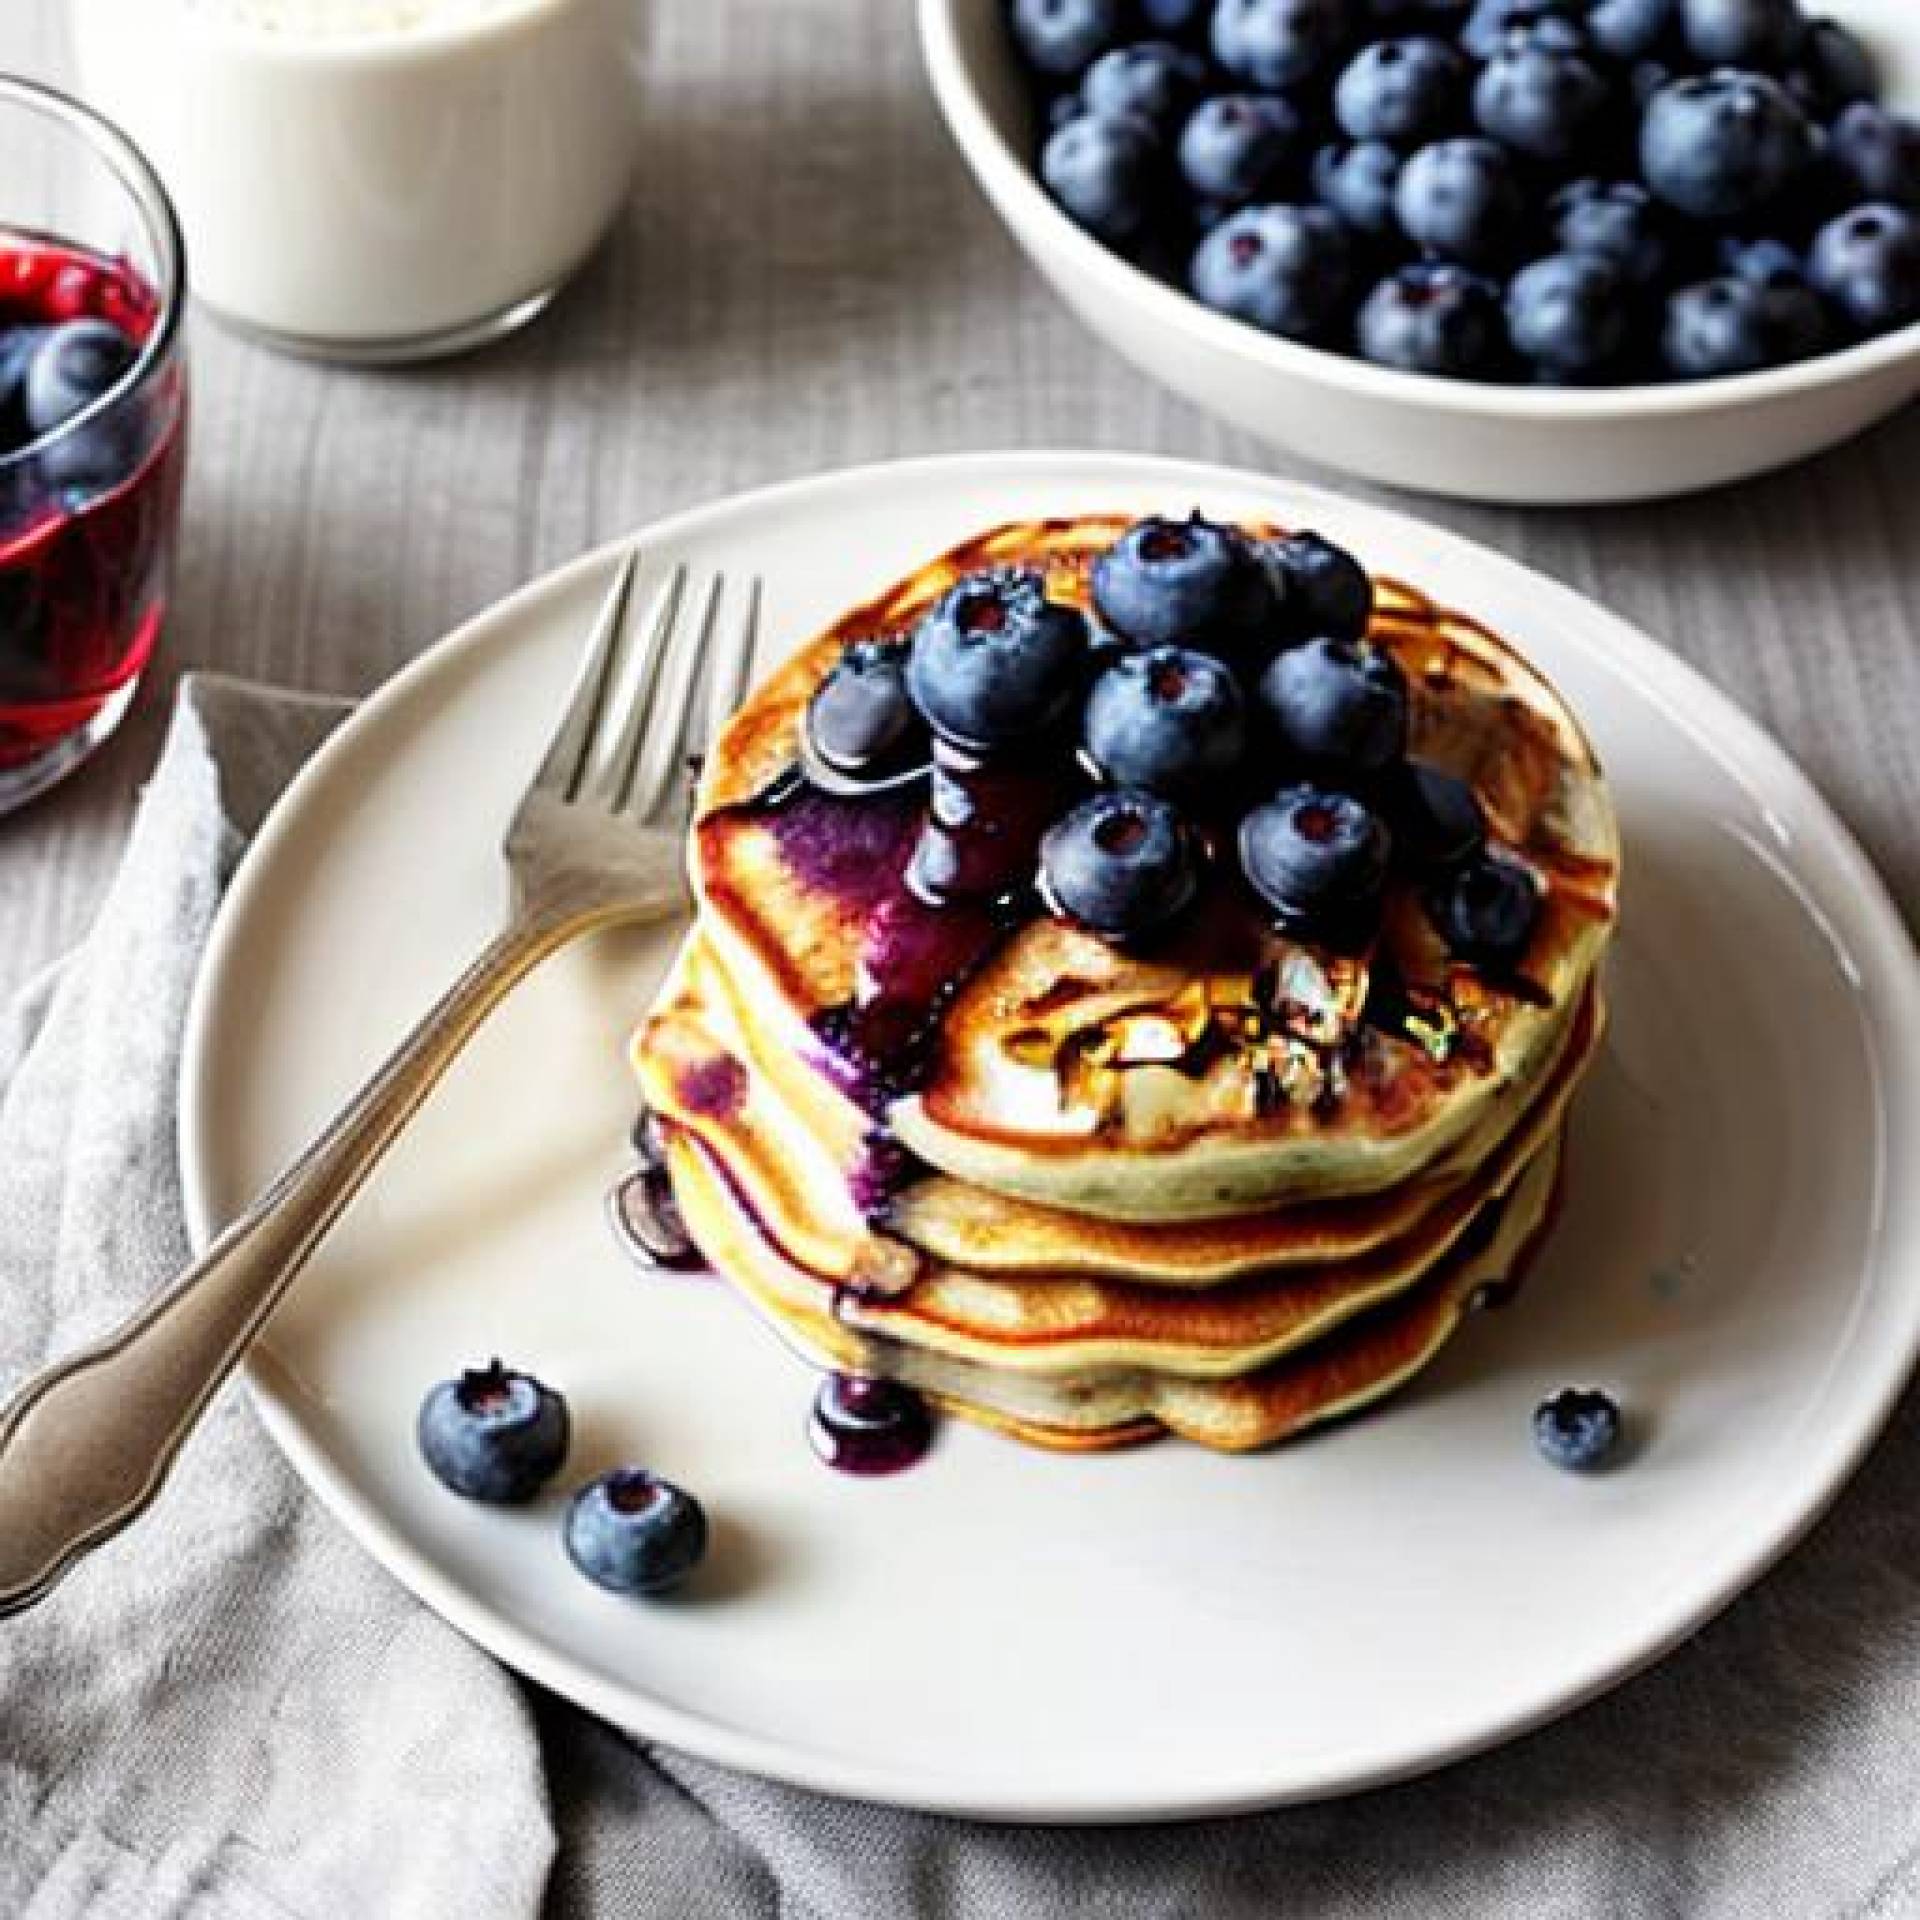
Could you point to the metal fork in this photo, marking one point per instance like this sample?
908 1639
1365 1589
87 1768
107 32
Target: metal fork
598 838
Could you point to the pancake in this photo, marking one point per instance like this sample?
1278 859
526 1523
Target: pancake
1229 1070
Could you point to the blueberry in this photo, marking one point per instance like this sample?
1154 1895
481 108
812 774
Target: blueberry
1618 218
995 662
1325 593
1317 857
1167 719
1436 820
1064 37
1767 262
632 1532
1541 100
1733 325
1868 263
1336 706
1357 180
1152 79
1121 863
1108 171
1630 29
1238 147
1486 912
1567 315
861 720
1190 582
493 1434
73 366
1721 145
1411 90
1461 199
1835 70
1284 268
1279 43
1577 1428
1432 317
1492 20
1878 155
18 347
1742 33
1647 78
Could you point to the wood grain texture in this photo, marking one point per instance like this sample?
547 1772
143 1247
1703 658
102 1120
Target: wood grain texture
806 278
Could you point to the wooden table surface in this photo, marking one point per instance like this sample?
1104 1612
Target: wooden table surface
805 278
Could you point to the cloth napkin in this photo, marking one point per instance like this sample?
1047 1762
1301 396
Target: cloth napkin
231 1712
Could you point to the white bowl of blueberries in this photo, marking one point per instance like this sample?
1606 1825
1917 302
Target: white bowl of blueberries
1521 250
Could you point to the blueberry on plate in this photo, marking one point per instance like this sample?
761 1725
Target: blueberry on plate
1541 100
632 1532
1356 179
1108 171
1167 719
1835 70
1238 147
1877 154
995 661
1283 268
1152 79
493 1434
1436 820
1492 20
1618 218
1279 43
1766 34
1412 90
1567 315
1486 911
1867 263
1630 30
1121 863
1192 582
1337 706
861 720
1577 1428
1735 325
1720 145
1462 199
1063 38
1433 317
1324 592
1317 857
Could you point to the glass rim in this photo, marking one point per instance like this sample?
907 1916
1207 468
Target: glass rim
144 187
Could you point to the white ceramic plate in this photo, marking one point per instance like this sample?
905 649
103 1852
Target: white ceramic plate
1008 1633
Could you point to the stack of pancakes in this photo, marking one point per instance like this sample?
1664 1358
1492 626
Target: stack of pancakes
1227 1190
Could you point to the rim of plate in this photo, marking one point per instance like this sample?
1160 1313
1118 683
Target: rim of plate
1889 992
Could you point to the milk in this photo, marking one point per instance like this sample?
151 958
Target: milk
375 179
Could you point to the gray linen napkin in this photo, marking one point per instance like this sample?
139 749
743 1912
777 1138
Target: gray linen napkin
232 1712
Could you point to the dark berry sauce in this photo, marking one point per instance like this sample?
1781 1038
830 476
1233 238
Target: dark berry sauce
865 1425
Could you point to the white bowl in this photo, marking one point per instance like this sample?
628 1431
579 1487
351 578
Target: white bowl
1535 446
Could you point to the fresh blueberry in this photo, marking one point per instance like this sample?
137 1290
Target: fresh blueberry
1436 820
1356 179
1630 29
1336 706
1492 20
1540 100
1767 262
1618 218
1834 71
493 1434
1578 1428
1325 593
1720 145
1279 43
1317 857
1462 199
632 1532
1486 912
1152 79
995 662
1765 34
861 720
1121 863
1167 719
1108 171
73 366
1410 90
1733 325
1567 315
1189 582
1877 153
1432 317
1287 269
1868 263
1238 147
1064 37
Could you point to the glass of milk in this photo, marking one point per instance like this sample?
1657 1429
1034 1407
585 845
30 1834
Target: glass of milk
376 180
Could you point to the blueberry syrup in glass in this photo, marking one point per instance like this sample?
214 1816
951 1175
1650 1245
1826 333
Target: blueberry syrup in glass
865 1425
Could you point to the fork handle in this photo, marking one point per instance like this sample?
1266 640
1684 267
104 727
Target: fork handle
86 1444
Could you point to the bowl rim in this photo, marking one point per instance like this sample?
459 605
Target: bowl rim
1014 189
